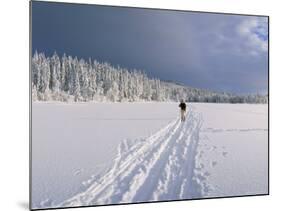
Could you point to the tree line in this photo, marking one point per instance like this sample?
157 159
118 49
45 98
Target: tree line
71 79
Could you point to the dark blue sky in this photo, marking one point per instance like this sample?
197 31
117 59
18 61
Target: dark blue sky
203 50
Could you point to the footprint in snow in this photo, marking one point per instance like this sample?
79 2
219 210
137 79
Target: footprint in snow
224 154
208 188
207 174
200 166
214 163
77 172
200 153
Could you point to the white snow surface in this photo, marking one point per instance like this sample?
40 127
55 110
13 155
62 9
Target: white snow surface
108 153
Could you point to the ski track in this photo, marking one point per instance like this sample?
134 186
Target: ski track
158 168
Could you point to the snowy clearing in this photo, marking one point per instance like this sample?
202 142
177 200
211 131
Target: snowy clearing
108 153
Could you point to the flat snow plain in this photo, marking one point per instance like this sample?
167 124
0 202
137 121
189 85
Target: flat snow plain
108 153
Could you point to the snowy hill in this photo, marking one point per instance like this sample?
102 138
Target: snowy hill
70 79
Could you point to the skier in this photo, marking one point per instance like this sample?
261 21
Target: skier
182 106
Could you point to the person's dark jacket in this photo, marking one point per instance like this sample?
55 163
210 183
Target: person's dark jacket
182 106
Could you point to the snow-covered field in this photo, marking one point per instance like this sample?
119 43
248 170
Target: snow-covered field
108 153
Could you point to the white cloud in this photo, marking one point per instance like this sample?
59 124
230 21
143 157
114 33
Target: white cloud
254 35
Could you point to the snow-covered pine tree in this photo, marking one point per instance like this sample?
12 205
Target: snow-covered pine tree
67 78
55 71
